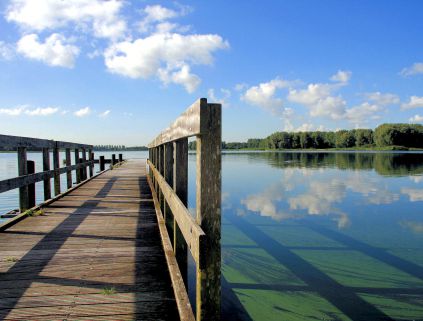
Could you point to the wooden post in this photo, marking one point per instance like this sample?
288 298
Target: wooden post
102 164
180 186
46 167
68 172
30 165
84 168
78 171
56 165
120 158
113 159
91 158
161 167
22 170
168 176
208 204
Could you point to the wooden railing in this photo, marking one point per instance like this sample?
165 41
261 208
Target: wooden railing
168 169
26 169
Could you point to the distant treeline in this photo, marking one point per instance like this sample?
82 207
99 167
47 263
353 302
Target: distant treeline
404 135
118 148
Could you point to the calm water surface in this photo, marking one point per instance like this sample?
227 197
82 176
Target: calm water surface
313 236
322 236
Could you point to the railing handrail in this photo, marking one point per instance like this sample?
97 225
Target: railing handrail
168 161
192 232
27 176
9 142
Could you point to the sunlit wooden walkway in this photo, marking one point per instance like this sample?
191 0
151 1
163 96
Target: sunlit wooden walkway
95 254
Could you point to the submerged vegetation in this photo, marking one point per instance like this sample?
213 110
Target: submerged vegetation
384 137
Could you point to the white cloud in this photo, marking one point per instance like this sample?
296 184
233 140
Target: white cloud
104 114
416 68
42 111
319 99
167 56
12 111
101 17
54 51
240 86
363 113
382 99
416 119
83 112
342 76
264 95
156 16
17 111
225 95
6 51
414 102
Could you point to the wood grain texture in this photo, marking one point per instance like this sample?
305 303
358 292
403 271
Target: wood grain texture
95 254
186 125
193 234
8 142
208 203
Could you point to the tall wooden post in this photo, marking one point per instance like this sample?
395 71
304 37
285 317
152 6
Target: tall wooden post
56 165
102 164
208 198
84 168
78 171
180 186
22 170
46 167
30 165
68 172
113 159
91 158
120 158
168 176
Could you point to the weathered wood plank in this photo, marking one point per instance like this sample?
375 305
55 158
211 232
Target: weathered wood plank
208 204
12 183
181 295
22 170
186 125
65 260
46 168
193 234
8 142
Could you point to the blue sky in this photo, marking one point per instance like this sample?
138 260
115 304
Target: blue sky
117 72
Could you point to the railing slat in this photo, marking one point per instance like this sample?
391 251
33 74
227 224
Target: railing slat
46 167
22 170
191 231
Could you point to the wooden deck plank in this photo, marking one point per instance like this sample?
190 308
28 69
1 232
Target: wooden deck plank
103 235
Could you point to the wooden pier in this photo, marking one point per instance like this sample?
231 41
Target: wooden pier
101 250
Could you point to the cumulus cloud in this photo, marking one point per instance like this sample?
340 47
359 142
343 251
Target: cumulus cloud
319 99
416 119
414 102
17 111
363 112
167 56
264 95
6 51
415 69
156 16
83 112
104 114
54 51
101 17
342 76
382 99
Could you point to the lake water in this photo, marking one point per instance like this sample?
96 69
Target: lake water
312 236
